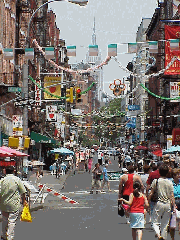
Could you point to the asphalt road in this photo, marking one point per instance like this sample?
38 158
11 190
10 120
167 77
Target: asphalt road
95 217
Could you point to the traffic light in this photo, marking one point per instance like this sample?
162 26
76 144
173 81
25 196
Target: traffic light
78 95
69 95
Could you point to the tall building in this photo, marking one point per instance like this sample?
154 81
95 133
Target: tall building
97 75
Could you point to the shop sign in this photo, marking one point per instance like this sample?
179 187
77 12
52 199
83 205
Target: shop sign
38 93
51 113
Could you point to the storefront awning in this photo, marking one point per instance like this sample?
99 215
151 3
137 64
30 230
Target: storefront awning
39 138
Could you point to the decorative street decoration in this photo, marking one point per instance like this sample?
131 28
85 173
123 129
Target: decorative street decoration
117 87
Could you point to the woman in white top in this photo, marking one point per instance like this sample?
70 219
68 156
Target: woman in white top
165 203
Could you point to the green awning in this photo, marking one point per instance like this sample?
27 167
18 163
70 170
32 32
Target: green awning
39 138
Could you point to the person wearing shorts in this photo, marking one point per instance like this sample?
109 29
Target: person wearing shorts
96 182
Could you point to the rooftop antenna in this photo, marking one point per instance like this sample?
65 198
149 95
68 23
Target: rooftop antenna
94 34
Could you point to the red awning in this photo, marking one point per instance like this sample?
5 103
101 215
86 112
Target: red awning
6 164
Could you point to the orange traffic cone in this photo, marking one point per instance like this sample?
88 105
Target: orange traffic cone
110 162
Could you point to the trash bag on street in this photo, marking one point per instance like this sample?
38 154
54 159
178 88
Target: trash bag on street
26 215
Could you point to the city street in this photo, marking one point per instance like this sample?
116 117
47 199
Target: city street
95 215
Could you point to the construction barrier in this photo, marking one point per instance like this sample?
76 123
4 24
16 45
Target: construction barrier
57 194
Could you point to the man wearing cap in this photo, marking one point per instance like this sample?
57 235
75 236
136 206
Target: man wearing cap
105 178
12 191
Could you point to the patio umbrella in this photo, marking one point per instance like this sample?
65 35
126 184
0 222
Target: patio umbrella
13 151
158 152
140 147
63 151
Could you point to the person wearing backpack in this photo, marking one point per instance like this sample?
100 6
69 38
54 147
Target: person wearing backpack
137 202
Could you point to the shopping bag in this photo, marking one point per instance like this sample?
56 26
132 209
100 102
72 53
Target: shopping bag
126 207
177 215
173 220
26 215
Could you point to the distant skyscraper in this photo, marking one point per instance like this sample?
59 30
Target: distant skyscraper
93 61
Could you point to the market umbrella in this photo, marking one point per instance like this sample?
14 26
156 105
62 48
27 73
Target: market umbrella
158 152
173 149
140 147
63 151
5 154
13 151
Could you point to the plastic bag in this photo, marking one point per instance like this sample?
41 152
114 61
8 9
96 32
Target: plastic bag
177 214
26 215
173 220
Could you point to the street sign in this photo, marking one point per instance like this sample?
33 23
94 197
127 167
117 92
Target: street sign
133 107
14 89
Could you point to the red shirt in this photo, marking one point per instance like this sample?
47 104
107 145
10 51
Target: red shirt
137 205
128 187
153 175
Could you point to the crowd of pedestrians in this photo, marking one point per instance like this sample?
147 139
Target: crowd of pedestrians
157 192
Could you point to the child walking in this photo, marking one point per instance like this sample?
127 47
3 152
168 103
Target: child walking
137 202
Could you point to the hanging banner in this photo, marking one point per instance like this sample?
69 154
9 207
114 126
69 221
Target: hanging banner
112 50
132 47
38 93
93 50
8 54
174 44
29 53
17 125
174 91
49 51
52 85
153 46
51 113
175 6
71 51
131 122
172 32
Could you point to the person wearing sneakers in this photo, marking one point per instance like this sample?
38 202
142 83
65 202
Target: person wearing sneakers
137 202
105 178
166 202
96 182
126 185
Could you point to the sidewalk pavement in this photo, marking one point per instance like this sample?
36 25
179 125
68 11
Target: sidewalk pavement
49 180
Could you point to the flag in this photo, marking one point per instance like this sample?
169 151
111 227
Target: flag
174 44
71 51
8 54
112 50
153 47
49 51
132 47
29 53
93 50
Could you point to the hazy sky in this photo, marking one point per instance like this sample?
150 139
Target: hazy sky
117 21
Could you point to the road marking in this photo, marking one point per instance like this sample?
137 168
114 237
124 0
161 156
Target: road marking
74 207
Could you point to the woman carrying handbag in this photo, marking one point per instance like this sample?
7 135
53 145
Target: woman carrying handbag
166 201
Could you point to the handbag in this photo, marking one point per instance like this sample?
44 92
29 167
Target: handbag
120 209
177 214
154 197
26 215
